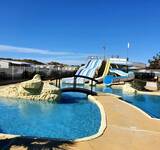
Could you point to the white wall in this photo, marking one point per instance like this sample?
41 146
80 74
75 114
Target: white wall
4 64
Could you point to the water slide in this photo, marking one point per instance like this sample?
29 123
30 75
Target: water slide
85 71
90 66
79 72
106 71
93 71
118 72
88 70
83 67
110 79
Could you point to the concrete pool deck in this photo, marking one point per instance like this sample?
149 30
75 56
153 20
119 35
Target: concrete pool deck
127 128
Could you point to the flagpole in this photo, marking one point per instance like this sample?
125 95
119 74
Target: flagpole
104 48
127 55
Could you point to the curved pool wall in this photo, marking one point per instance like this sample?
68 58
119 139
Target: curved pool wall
75 117
102 123
150 104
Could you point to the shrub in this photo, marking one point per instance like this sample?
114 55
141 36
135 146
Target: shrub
139 85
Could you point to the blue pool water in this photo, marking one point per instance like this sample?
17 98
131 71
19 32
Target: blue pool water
148 103
71 118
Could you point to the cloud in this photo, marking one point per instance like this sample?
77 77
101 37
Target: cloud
9 48
47 55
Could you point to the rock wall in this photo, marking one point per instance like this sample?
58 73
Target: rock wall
128 89
34 89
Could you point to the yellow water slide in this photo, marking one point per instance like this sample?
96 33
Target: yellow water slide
106 71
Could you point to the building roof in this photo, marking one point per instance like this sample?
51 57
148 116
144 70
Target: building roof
15 62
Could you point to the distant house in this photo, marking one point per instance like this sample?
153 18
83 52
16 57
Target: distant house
13 69
48 69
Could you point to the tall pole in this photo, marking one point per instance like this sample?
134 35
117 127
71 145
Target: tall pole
127 55
104 48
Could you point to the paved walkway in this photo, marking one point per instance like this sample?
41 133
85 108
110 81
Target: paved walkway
127 129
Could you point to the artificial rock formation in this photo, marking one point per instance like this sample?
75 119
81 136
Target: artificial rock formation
128 89
34 89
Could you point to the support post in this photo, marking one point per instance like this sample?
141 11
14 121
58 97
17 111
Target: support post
59 83
91 86
127 64
56 82
74 84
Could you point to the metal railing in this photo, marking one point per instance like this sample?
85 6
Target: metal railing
58 84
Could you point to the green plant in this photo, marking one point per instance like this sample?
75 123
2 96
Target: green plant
154 63
139 85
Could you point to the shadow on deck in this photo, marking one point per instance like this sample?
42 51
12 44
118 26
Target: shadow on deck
33 144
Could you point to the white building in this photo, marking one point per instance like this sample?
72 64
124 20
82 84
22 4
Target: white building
14 68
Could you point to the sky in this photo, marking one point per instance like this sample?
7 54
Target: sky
69 31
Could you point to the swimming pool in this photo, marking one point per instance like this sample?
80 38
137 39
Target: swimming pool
148 103
71 118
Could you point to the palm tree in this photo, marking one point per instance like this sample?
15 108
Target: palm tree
155 62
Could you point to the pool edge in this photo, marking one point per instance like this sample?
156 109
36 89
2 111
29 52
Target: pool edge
133 106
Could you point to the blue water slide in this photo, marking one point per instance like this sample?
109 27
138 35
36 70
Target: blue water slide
118 72
89 67
108 80
83 67
90 72
95 68
86 73
83 71
86 66
79 70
